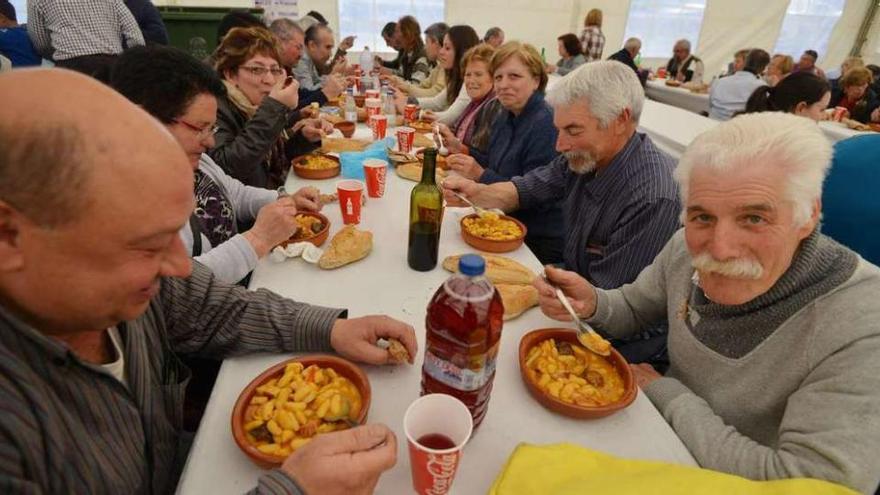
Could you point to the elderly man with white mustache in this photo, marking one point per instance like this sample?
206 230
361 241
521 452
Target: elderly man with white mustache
774 328
619 201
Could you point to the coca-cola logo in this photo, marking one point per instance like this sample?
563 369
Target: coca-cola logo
442 469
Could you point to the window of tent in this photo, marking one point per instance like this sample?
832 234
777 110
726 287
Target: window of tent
660 23
366 18
808 25
20 10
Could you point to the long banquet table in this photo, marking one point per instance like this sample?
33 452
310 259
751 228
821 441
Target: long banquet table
657 90
383 284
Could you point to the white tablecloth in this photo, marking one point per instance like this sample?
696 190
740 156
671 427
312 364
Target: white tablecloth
837 131
657 90
672 128
383 283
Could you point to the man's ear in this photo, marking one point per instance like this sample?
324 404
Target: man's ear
11 223
813 222
621 123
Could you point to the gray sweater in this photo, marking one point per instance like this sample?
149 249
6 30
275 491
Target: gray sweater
801 400
235 258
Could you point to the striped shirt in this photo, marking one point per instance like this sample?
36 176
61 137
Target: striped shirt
76 28
592 42
68 426
616 221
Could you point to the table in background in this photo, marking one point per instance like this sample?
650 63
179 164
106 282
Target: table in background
657 90
384 284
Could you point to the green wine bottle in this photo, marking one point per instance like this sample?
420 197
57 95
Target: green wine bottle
425 217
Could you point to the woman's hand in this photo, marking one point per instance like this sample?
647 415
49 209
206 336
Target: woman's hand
453 144
428 116
286 91
465 166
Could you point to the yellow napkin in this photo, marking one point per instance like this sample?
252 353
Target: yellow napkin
566 469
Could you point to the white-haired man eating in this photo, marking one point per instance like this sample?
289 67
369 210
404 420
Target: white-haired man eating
773 327
620 203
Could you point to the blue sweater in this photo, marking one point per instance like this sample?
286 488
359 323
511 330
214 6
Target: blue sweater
17 47
850 203
519 144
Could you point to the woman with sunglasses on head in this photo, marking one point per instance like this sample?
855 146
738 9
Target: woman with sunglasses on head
259 131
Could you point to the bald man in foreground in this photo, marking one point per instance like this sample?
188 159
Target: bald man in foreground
98 297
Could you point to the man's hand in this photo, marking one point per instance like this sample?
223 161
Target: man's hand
287 95
333 86
466 187
275 224
346 43
465 165
308 199
579 292
356 338
340 67
644 374
347 462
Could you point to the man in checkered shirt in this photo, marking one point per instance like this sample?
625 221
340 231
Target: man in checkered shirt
82 35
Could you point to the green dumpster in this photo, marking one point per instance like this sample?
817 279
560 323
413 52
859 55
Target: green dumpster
194 29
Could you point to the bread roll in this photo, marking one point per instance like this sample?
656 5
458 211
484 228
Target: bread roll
517 299
499 270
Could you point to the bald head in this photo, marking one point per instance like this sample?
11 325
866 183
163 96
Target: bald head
65 139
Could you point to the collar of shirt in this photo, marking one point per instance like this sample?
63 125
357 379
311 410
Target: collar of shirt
532 105
597 184
60 353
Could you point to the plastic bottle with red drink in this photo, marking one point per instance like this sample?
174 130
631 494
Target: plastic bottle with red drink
463 326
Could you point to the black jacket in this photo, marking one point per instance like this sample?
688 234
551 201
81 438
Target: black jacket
150 21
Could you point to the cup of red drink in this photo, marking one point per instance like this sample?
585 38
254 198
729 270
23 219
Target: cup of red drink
350 194
406 136
437 426
410 113
379 125
661 72
838 114
375 171
372 93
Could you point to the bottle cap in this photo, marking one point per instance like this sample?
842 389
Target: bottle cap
471 265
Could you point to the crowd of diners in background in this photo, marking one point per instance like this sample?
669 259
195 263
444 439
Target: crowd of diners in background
626 230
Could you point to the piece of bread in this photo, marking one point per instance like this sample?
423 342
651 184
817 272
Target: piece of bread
413 172
397 351
347 246
499 270
517 299
423 141
340 145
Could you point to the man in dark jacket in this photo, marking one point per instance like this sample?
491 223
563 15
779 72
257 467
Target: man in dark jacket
149 20
627 54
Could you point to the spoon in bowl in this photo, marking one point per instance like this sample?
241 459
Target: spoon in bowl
588 337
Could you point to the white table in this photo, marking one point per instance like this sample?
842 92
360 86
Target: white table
671 128
383 283
837 131
657 90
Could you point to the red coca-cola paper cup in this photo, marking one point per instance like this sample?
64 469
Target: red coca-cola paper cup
406 136
379 125
375 171
372 93
444 422
350 194
410 113
373 106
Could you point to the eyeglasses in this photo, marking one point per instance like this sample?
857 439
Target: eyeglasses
262 71
202 132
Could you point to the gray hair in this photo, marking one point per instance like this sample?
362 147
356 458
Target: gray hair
766 140
685 43
491 33
285 28
43 171
437 31
609 87
632 43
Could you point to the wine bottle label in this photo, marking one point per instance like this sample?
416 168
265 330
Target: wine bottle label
480 372
430 215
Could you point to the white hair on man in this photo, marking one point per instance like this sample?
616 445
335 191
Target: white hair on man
608 87
632 44
683 44
767 139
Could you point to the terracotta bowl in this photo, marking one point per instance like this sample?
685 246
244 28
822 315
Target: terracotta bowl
346 128
317 239
359 100
441 160
490 245
341 366
309 173
534 338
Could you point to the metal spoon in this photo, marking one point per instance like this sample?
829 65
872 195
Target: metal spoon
586 335
479 210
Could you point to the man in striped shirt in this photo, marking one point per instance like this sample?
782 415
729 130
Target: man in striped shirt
98 298
620 202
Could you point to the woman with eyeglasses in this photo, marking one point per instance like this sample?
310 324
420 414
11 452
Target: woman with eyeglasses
259 130
182 93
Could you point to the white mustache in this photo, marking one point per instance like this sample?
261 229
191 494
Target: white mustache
745 268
